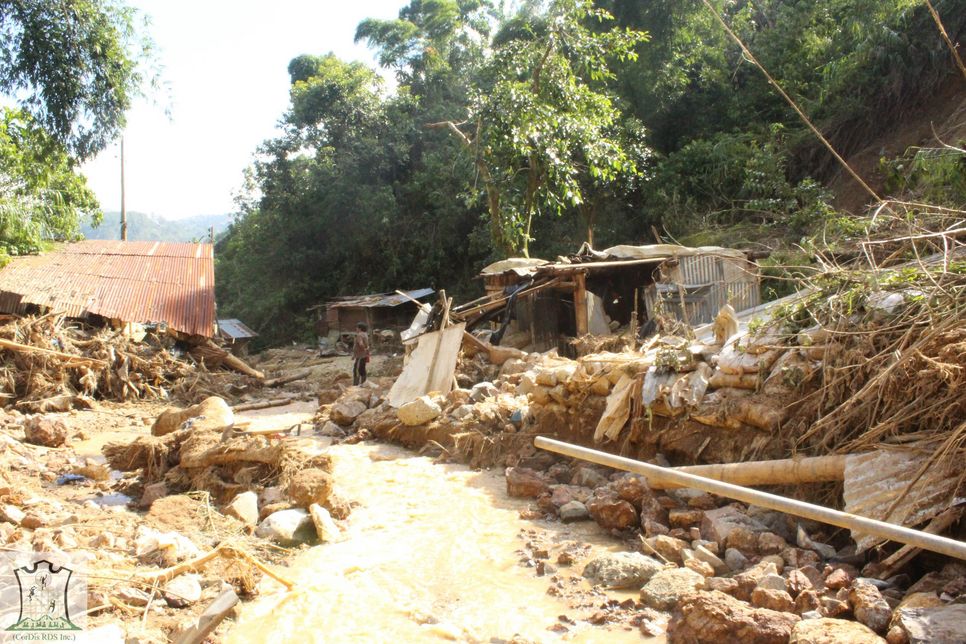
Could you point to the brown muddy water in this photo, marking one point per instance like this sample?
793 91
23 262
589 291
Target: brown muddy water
432 553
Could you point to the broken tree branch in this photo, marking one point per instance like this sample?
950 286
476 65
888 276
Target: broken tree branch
225 550
75 361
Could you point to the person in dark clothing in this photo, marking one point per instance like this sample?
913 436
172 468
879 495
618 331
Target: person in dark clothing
360 354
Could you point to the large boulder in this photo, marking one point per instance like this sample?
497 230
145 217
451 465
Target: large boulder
344 412
622 569
210 414
419 411
287 527
832 631
714 617
525 483
666 588
310 486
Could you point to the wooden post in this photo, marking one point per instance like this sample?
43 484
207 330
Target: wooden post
580 302
439 339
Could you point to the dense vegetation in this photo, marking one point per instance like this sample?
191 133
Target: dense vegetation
536 128
72 67
521 127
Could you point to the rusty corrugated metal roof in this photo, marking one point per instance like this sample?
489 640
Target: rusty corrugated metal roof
146 282
379 299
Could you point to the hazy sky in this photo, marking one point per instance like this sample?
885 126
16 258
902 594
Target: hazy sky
224 63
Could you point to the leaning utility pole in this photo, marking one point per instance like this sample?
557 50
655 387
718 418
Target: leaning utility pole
123 209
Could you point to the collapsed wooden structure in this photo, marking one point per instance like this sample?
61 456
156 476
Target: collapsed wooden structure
596 293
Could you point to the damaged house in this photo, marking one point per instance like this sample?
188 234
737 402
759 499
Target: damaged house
391 312
536 304
169 285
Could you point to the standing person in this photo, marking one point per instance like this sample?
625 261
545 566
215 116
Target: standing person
360 354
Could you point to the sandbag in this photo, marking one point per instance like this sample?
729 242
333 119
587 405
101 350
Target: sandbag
618 410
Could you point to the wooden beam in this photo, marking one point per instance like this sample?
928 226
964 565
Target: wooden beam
580 303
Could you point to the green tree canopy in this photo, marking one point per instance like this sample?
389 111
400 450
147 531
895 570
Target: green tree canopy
72 65
41 197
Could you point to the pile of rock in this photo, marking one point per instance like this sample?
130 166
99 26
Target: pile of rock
281 490
731 573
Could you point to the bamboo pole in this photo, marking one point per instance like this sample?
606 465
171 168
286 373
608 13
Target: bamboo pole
662 475
786 471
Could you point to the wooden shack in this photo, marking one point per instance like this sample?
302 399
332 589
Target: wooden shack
380 311
598 292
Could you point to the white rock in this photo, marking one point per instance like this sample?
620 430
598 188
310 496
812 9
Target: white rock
419 411
703 554
325 527
164 547
286 527
13 514
182 591
244 507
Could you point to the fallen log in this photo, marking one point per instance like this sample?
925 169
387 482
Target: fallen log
234 362
74 361
213 355
262 404
663 475
284 380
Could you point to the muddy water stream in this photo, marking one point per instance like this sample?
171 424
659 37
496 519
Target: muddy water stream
431 554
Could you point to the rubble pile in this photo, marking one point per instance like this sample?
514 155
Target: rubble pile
54 500
726 571
281 489
52 364
832 372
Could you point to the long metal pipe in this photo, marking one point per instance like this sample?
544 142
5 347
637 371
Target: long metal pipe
926 541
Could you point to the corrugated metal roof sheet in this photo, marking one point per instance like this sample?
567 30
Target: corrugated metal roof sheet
380 299
146 282
235 329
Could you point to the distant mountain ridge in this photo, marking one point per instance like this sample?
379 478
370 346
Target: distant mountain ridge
145 227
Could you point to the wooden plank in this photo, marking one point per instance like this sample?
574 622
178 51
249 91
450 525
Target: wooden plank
412 382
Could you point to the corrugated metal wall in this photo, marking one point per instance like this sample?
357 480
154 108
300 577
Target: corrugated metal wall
696 287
